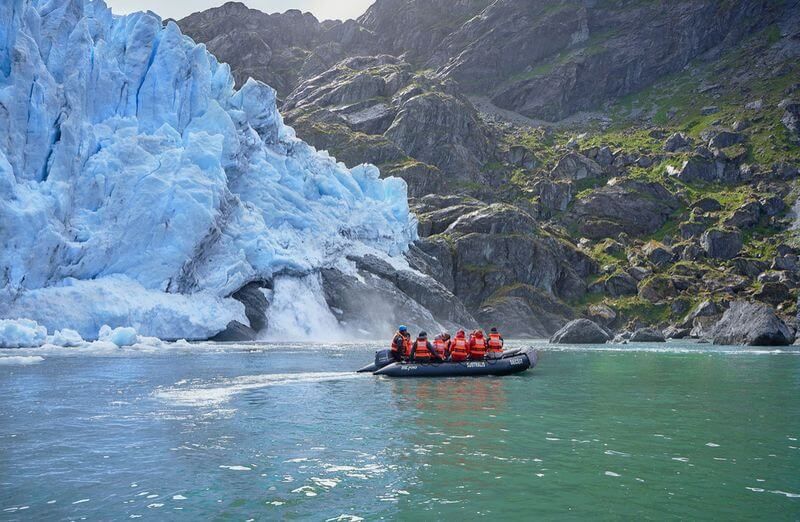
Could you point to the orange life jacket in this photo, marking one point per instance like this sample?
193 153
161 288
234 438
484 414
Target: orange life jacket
406 344
477 348
459 349
495 343
440 345
421 349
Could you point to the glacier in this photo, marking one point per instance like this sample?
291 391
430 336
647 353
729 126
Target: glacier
139 188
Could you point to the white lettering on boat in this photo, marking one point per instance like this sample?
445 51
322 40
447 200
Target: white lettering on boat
476 365
515 361
409 367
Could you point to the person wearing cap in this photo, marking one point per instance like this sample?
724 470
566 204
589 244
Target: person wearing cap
401 344
422 350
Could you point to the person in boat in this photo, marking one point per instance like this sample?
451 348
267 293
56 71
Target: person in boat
401 344
442 345
477 346
494 347
422 350
459 347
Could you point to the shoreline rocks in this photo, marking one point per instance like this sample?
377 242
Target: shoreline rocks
752 324
581 331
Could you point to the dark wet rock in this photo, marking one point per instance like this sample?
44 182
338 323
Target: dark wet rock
647 335
255 304
580 331
753 324
722 244
620 284
629 206
677 142
372 305
236 332
424 290
574 166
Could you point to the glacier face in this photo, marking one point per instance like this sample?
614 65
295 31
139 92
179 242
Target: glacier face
139 188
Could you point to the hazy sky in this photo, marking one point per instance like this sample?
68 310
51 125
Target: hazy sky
322 9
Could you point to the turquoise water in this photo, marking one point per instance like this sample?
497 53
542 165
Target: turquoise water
269 432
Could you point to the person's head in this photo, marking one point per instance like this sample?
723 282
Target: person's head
423 335
493 330
478 333
445 336
461 333
402 329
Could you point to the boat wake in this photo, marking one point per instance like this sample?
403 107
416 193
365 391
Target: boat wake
217 392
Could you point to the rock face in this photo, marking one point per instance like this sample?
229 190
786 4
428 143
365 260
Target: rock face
575 54
753 324
580 331
722 244
629 206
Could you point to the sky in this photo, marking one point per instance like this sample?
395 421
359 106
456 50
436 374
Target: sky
322 9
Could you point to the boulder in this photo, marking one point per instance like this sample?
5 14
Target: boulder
676 332
752 324
647 335
580 331
722 243
658 254
707 205
746 216
725 139
602 314
791 116
657 289
621 284
697 168
773 292
625 206
575 167
709 109
677 142
703 327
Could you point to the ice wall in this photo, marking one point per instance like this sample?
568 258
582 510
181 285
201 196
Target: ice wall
138 188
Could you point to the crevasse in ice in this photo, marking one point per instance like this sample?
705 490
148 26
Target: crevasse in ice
139 188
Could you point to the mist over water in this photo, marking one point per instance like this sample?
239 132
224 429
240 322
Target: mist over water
298 311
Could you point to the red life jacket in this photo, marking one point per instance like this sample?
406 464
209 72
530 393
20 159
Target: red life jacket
440 345
495 343
459 349
421 349
477 348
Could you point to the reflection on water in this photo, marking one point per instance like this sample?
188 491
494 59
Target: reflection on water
268 433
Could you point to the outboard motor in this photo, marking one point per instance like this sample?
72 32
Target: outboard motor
382 358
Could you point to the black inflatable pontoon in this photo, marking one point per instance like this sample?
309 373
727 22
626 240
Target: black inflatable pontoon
512 361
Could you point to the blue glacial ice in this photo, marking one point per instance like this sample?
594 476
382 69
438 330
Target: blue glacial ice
139 188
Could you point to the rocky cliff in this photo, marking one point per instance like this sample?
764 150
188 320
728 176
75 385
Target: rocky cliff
623 160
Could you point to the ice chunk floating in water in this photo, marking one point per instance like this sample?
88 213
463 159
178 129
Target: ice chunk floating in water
21 333
139 188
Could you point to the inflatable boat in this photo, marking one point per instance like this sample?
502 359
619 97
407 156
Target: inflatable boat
512 361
